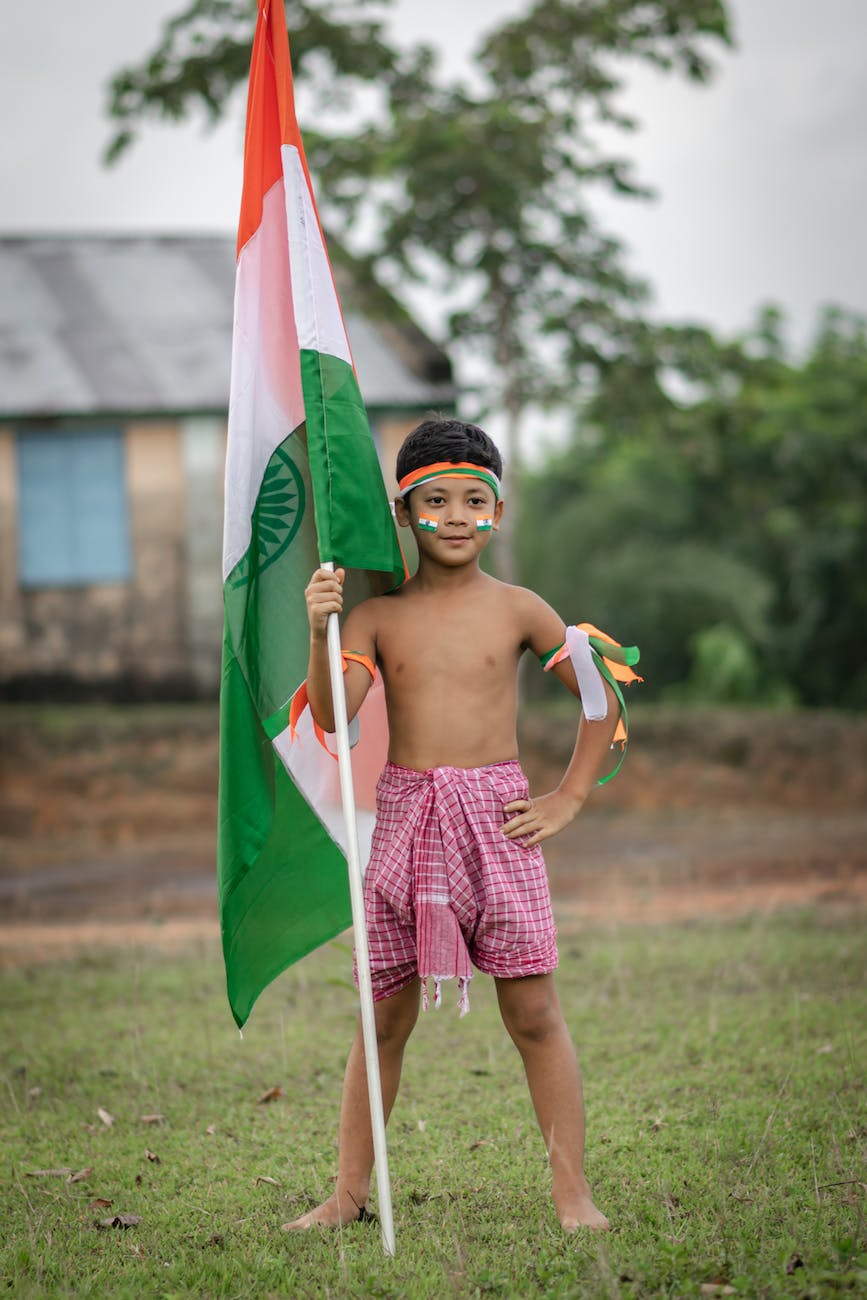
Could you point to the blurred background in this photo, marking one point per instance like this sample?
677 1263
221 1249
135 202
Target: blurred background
626 237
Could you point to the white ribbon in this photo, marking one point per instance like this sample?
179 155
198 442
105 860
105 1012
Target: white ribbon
591 683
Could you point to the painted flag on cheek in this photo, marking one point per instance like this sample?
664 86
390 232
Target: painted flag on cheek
303 485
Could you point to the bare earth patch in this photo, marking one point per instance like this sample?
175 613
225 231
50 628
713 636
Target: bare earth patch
107 824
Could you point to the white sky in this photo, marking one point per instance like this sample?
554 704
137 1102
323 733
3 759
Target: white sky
762 177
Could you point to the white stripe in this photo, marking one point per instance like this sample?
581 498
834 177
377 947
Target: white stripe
591 683
317 777
317 311
265 399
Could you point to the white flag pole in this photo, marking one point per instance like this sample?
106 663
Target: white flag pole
362 955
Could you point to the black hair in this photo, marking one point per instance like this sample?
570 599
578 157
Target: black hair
447 440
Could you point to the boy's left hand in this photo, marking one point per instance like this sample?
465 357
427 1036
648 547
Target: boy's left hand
539 819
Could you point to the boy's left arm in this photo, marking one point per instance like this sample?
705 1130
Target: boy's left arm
540 818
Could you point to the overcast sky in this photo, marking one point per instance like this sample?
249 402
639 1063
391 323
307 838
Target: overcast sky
762 176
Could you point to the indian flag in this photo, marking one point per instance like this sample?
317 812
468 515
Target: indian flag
303 485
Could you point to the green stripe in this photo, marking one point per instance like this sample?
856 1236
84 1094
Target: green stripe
353 519
282 880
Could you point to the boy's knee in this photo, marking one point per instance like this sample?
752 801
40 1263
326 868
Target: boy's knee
395 1018
531 1018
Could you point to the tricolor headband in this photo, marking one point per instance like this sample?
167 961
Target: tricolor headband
447 469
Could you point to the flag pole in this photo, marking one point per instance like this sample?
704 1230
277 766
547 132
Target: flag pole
362 955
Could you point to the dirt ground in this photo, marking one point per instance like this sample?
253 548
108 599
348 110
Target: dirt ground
107 823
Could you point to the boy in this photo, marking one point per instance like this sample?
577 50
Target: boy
455 867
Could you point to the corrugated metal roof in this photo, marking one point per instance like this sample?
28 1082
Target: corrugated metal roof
143 324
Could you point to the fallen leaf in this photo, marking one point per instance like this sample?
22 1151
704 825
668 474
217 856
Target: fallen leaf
263 1178
826 1047
138 1180
716 1288
120 1221
211 1130
49 1173
104 1115
152 1119
101 1203
81 1175
152 1156
33 1093
793 1263
216 1239
271 1095
480 1142
422 1125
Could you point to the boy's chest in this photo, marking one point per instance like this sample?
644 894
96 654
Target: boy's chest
453 645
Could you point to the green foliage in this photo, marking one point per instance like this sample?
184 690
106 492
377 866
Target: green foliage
480 190
204 56
725 532
724 1071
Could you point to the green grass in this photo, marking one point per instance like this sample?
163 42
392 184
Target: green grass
725 1076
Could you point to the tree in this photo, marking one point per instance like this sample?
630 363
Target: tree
480 191
727 531
203 56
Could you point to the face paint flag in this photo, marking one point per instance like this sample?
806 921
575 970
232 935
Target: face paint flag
303 485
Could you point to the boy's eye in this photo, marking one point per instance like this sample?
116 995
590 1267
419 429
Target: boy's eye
477 502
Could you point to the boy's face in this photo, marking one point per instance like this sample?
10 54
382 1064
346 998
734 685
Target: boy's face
451 518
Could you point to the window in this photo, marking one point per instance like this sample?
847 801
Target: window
72 510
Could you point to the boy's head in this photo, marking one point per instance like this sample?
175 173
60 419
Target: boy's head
437 441
448 477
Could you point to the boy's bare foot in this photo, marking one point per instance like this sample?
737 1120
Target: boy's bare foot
579 1212
333 1213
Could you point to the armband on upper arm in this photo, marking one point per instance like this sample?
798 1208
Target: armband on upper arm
300 701
597 659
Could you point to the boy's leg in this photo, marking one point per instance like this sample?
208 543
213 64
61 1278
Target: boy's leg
395 1017
531 1012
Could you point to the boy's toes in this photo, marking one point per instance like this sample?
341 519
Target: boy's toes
583 1214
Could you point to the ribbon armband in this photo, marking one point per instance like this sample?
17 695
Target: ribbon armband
597 659
300 701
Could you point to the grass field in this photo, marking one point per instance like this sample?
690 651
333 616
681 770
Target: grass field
725 1070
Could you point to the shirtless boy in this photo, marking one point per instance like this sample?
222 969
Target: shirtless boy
455 869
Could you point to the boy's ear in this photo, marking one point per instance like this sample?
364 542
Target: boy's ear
401 512
498 514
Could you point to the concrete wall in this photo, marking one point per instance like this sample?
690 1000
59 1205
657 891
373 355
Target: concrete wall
159 634
121 638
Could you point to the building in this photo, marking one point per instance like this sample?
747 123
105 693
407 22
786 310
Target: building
114 376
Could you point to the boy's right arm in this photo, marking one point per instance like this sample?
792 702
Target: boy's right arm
324 596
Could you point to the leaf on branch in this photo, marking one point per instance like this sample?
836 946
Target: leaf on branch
105 1116
270 1095
120 1221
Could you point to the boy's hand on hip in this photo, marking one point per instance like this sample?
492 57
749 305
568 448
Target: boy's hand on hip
324 596
539 819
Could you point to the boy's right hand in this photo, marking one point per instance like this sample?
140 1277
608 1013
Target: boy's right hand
324 596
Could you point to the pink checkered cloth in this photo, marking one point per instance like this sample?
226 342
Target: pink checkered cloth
444 885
